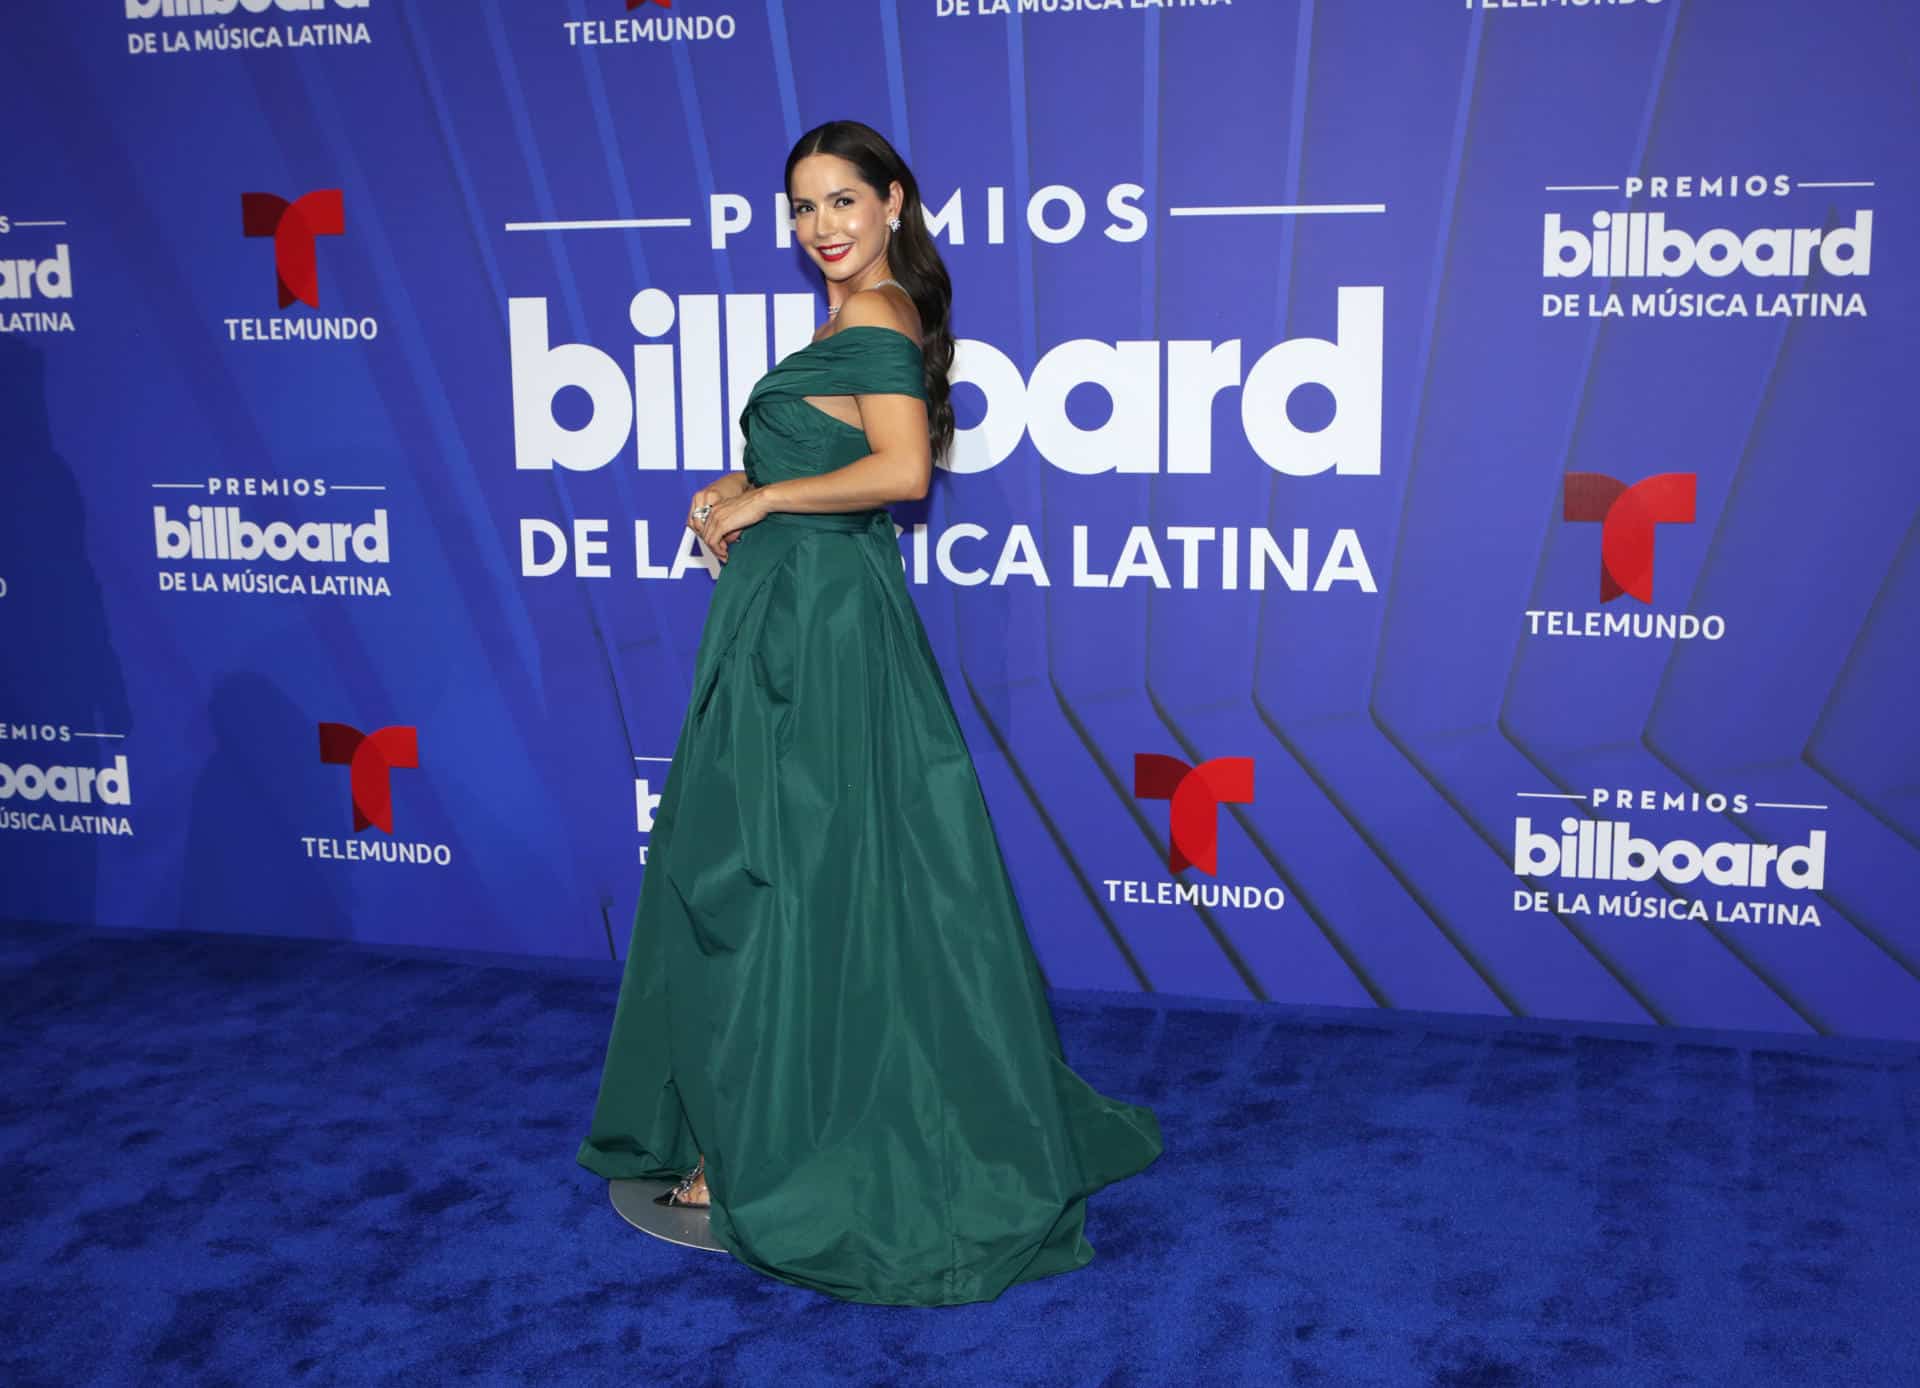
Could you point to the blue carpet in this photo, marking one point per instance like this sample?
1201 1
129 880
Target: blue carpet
235 1159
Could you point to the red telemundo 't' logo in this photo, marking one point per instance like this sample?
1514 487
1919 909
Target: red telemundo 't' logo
293 227
1627 516
1197 792
370 758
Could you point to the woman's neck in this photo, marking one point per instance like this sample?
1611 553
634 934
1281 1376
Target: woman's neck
873 279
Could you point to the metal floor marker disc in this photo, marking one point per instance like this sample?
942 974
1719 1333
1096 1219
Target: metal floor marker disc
674 1223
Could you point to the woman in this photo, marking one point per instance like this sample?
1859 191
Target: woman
831 1016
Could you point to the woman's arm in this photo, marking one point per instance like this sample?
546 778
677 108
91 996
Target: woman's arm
877 479
899 468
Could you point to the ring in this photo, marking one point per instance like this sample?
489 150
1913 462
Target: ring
700 513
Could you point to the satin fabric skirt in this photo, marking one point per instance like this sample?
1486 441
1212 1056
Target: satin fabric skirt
830 992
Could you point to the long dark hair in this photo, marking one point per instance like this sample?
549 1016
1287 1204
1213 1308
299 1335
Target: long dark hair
916 264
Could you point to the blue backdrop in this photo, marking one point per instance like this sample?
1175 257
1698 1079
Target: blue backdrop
1474 433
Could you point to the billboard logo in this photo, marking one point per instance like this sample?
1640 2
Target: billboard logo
646 806
27 278
668 412
294 227
1608 851
36 291
1601 867
67 785
1627 516
221 532
64 799
370 759
1196 793
211 9
242 26
1640 245
1808 264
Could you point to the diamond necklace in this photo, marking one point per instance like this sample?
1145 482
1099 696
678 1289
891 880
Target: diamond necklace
835 308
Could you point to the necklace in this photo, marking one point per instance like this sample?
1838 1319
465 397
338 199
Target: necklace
835 308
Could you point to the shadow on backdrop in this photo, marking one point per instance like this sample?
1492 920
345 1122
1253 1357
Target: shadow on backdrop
263 787
58 665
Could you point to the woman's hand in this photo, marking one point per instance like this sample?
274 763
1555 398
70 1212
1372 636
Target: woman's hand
725 489
730 515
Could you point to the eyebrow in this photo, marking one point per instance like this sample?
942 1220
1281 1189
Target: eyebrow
832 193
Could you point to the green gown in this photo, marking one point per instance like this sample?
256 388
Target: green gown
830 992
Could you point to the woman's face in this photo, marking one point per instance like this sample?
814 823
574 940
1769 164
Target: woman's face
840 220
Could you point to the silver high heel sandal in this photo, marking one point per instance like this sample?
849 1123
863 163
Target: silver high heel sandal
678 1195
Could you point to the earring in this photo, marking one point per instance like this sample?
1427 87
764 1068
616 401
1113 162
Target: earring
893 224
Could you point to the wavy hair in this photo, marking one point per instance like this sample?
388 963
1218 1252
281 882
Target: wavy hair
916 263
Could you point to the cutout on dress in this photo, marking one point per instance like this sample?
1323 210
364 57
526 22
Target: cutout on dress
840 407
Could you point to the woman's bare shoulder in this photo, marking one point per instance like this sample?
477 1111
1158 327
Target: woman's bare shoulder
884 307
